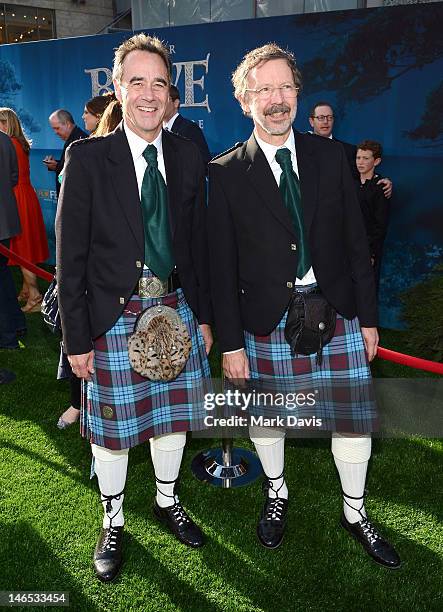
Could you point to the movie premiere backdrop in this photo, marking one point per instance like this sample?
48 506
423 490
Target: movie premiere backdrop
381 69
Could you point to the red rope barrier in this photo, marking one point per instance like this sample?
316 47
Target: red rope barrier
26 264
411 362
406 360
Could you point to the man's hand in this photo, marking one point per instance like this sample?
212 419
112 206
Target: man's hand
370 337
82 365
50 163
236 367
207 336
387 187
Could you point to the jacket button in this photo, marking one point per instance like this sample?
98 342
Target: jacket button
242 290
293 247
138 264
107 412
289 285
122 300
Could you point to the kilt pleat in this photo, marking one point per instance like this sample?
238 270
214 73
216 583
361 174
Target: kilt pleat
342 384
124 409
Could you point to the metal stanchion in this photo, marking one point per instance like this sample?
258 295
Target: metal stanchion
226 467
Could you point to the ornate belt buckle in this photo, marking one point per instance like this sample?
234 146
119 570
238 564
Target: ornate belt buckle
152 287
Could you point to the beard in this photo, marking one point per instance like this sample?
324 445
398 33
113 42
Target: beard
284 126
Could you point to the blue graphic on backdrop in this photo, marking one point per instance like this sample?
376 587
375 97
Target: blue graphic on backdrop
383 81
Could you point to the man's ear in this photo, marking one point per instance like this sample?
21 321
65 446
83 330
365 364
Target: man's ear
243 100
377 161
118 91
311 122
176 104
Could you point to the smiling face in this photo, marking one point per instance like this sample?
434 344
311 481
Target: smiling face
273 116
143 93
91 120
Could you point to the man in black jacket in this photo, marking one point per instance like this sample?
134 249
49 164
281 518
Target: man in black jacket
178 124
131 235
284 221
321 119
62 122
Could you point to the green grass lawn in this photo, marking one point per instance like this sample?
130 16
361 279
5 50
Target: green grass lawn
50 517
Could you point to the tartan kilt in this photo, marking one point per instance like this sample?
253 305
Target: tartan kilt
123 408
342 384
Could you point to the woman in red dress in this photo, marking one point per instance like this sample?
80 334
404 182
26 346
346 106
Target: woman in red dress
32 243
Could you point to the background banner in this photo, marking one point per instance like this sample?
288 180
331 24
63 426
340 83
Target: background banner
379 68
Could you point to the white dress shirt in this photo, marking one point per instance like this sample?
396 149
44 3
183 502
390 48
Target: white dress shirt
137 146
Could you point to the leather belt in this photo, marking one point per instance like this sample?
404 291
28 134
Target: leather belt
154 287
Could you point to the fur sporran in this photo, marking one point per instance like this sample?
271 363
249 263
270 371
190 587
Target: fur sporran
160 345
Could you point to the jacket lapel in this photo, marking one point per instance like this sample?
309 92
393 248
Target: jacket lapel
262 179
173 177
124 181
308 175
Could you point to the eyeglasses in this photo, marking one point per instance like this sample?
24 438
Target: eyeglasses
323 117
288 90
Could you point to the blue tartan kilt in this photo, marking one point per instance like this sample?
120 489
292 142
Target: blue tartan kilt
124 409
342 396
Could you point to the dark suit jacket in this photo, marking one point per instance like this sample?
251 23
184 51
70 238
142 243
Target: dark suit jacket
191 130
100 238
76 134
351 154
251 236
9 219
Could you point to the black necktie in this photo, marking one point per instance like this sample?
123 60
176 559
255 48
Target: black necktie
154 200
290 190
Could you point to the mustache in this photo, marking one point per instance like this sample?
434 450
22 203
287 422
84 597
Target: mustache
277 108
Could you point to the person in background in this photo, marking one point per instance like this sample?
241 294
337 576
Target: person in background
373 203
32 243
62 122
321 119
94 109
174 122
109 119
12 320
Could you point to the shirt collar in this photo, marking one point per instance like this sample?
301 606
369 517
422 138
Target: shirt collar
270 150
137 144
168 124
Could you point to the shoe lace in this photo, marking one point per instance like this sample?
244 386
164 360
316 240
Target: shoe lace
179 514
110 541
275 505
274 510
369 531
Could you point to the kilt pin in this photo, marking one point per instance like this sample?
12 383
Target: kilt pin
124 409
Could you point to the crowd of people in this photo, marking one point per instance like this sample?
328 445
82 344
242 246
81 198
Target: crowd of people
291 218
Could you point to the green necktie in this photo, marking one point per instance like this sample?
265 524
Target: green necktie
290 191
154 200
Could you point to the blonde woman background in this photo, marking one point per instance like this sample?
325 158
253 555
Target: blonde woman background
32 243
